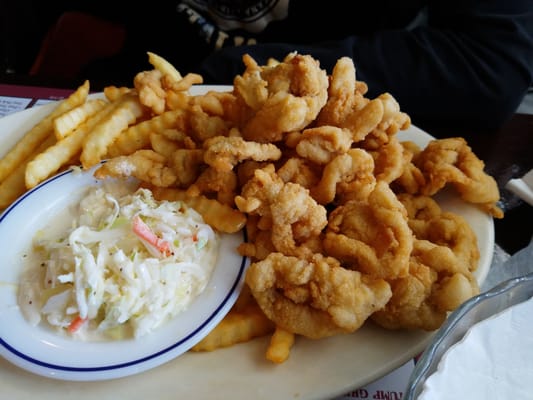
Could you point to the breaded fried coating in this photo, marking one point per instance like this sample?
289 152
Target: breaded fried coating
361 122
187 164
345 94
412 179
392 121
213 182
282 98
205 126
145 165
151 92
435 285
315 298
371 236
293 215
409 307
390 160
224 153
348 176
300 171
320 145
429 222
452 161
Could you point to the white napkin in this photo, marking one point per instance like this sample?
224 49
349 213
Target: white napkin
492 361
522 187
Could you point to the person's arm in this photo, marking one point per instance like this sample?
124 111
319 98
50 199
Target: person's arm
471 64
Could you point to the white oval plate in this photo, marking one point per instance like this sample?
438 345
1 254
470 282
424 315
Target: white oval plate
42 351
316 369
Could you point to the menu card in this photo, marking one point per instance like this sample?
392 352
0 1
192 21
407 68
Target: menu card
15 98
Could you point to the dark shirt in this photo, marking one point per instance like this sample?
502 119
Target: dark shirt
467 62
450 62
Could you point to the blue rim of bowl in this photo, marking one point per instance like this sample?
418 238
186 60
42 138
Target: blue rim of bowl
21 355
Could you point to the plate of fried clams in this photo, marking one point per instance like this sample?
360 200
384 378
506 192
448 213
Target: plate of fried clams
363 231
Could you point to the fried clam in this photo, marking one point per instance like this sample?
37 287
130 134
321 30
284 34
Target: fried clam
224 153
348 176
321 144
412 179
441 266
433 287
371 236
452 161
282 97
429 222
219 184
145 165
392 121
286 209
390 160
345 94
315 298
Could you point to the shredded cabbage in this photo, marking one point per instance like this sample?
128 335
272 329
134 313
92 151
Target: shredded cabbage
109 268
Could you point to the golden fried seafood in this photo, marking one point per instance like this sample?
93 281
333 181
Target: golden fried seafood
317 297
412 179
286 209
429 222
434 286
224 153
392 121
205 126
371 236
282 98
361 122
345 94
390 160
339 219
300 171
321 144
187 164
145 165
214 182
452 161
151 92
348 176
409 306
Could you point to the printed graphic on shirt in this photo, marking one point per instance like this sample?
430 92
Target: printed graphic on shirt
221 22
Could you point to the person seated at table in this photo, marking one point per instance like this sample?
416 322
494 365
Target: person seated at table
466 62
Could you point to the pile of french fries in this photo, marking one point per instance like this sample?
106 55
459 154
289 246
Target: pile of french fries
81 130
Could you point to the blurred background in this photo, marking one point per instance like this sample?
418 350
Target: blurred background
61 43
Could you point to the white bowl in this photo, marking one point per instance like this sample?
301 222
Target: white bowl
43 351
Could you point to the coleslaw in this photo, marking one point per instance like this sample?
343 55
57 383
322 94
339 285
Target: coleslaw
125 265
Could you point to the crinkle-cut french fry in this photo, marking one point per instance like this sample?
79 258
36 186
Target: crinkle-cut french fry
280 345
137 136
126 111
236 327
54 157
14 186
38 133
67 122
220 216
112 93
163 66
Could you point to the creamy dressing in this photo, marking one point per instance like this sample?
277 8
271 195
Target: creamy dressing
118 264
